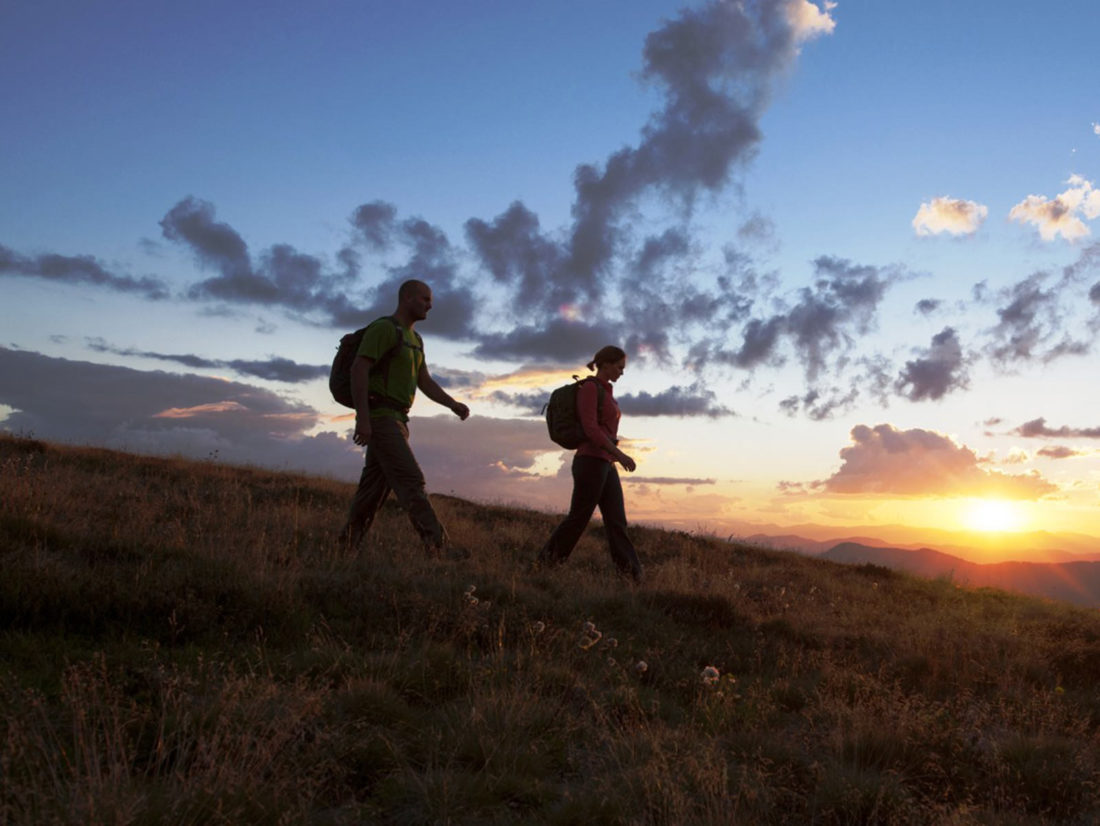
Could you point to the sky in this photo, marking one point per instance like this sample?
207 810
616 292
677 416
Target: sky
848 247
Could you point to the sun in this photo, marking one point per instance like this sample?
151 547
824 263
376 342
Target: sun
993 516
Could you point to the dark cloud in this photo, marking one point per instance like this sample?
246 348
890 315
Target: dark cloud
757 228
927 306
714 67
820 404
1037 429
683 402
939 371
820 326
157 412
665 480
457 379
375 223
1030 316
78 269
532 403
516 253
559 339
1037 315
1059 452
304 286
694 400
273 369
889 462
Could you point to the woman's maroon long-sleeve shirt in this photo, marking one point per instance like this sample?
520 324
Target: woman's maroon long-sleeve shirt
597 429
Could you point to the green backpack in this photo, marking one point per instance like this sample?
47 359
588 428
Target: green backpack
562 420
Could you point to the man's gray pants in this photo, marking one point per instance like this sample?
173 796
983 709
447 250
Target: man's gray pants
390 465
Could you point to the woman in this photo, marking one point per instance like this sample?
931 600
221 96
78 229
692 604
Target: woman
595 478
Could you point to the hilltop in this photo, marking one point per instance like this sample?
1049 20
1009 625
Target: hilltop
184 644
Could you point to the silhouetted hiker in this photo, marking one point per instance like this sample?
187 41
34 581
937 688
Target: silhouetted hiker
382 400
595 478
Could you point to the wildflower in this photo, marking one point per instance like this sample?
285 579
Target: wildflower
641 667
539 627
469 595
1059 690
611 642
590 636
611 662
710 675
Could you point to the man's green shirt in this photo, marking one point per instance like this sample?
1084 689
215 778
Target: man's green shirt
395 379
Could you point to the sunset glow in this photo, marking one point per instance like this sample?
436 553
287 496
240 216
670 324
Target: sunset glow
993 516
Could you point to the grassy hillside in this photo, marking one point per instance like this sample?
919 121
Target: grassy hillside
181 643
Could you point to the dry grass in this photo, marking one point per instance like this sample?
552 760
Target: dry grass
182 644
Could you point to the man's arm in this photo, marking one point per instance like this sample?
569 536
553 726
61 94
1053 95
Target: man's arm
360 391
437 394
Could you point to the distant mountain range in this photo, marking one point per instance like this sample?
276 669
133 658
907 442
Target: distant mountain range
1032 546
1077 582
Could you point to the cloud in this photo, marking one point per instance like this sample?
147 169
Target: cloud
928 306
939 371
684 402
884 461
1037 429
820 325
951 215
164 413
1037 315
1065 215
78 269
695 400
1059 452
808 20
820 403
665 480
305 287
275 368
1096 128
714 67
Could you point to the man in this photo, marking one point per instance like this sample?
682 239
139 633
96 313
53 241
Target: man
382 399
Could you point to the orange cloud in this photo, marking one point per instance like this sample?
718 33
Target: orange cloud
1063 215
885 461
952 215
200 410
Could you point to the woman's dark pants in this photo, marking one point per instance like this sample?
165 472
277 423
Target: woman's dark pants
595 484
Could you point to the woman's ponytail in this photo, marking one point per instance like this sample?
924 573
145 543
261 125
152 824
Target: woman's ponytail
606 355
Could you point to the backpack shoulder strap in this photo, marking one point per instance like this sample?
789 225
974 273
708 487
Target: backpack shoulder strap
599 394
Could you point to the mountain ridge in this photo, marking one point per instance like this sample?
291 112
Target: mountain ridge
1076 582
